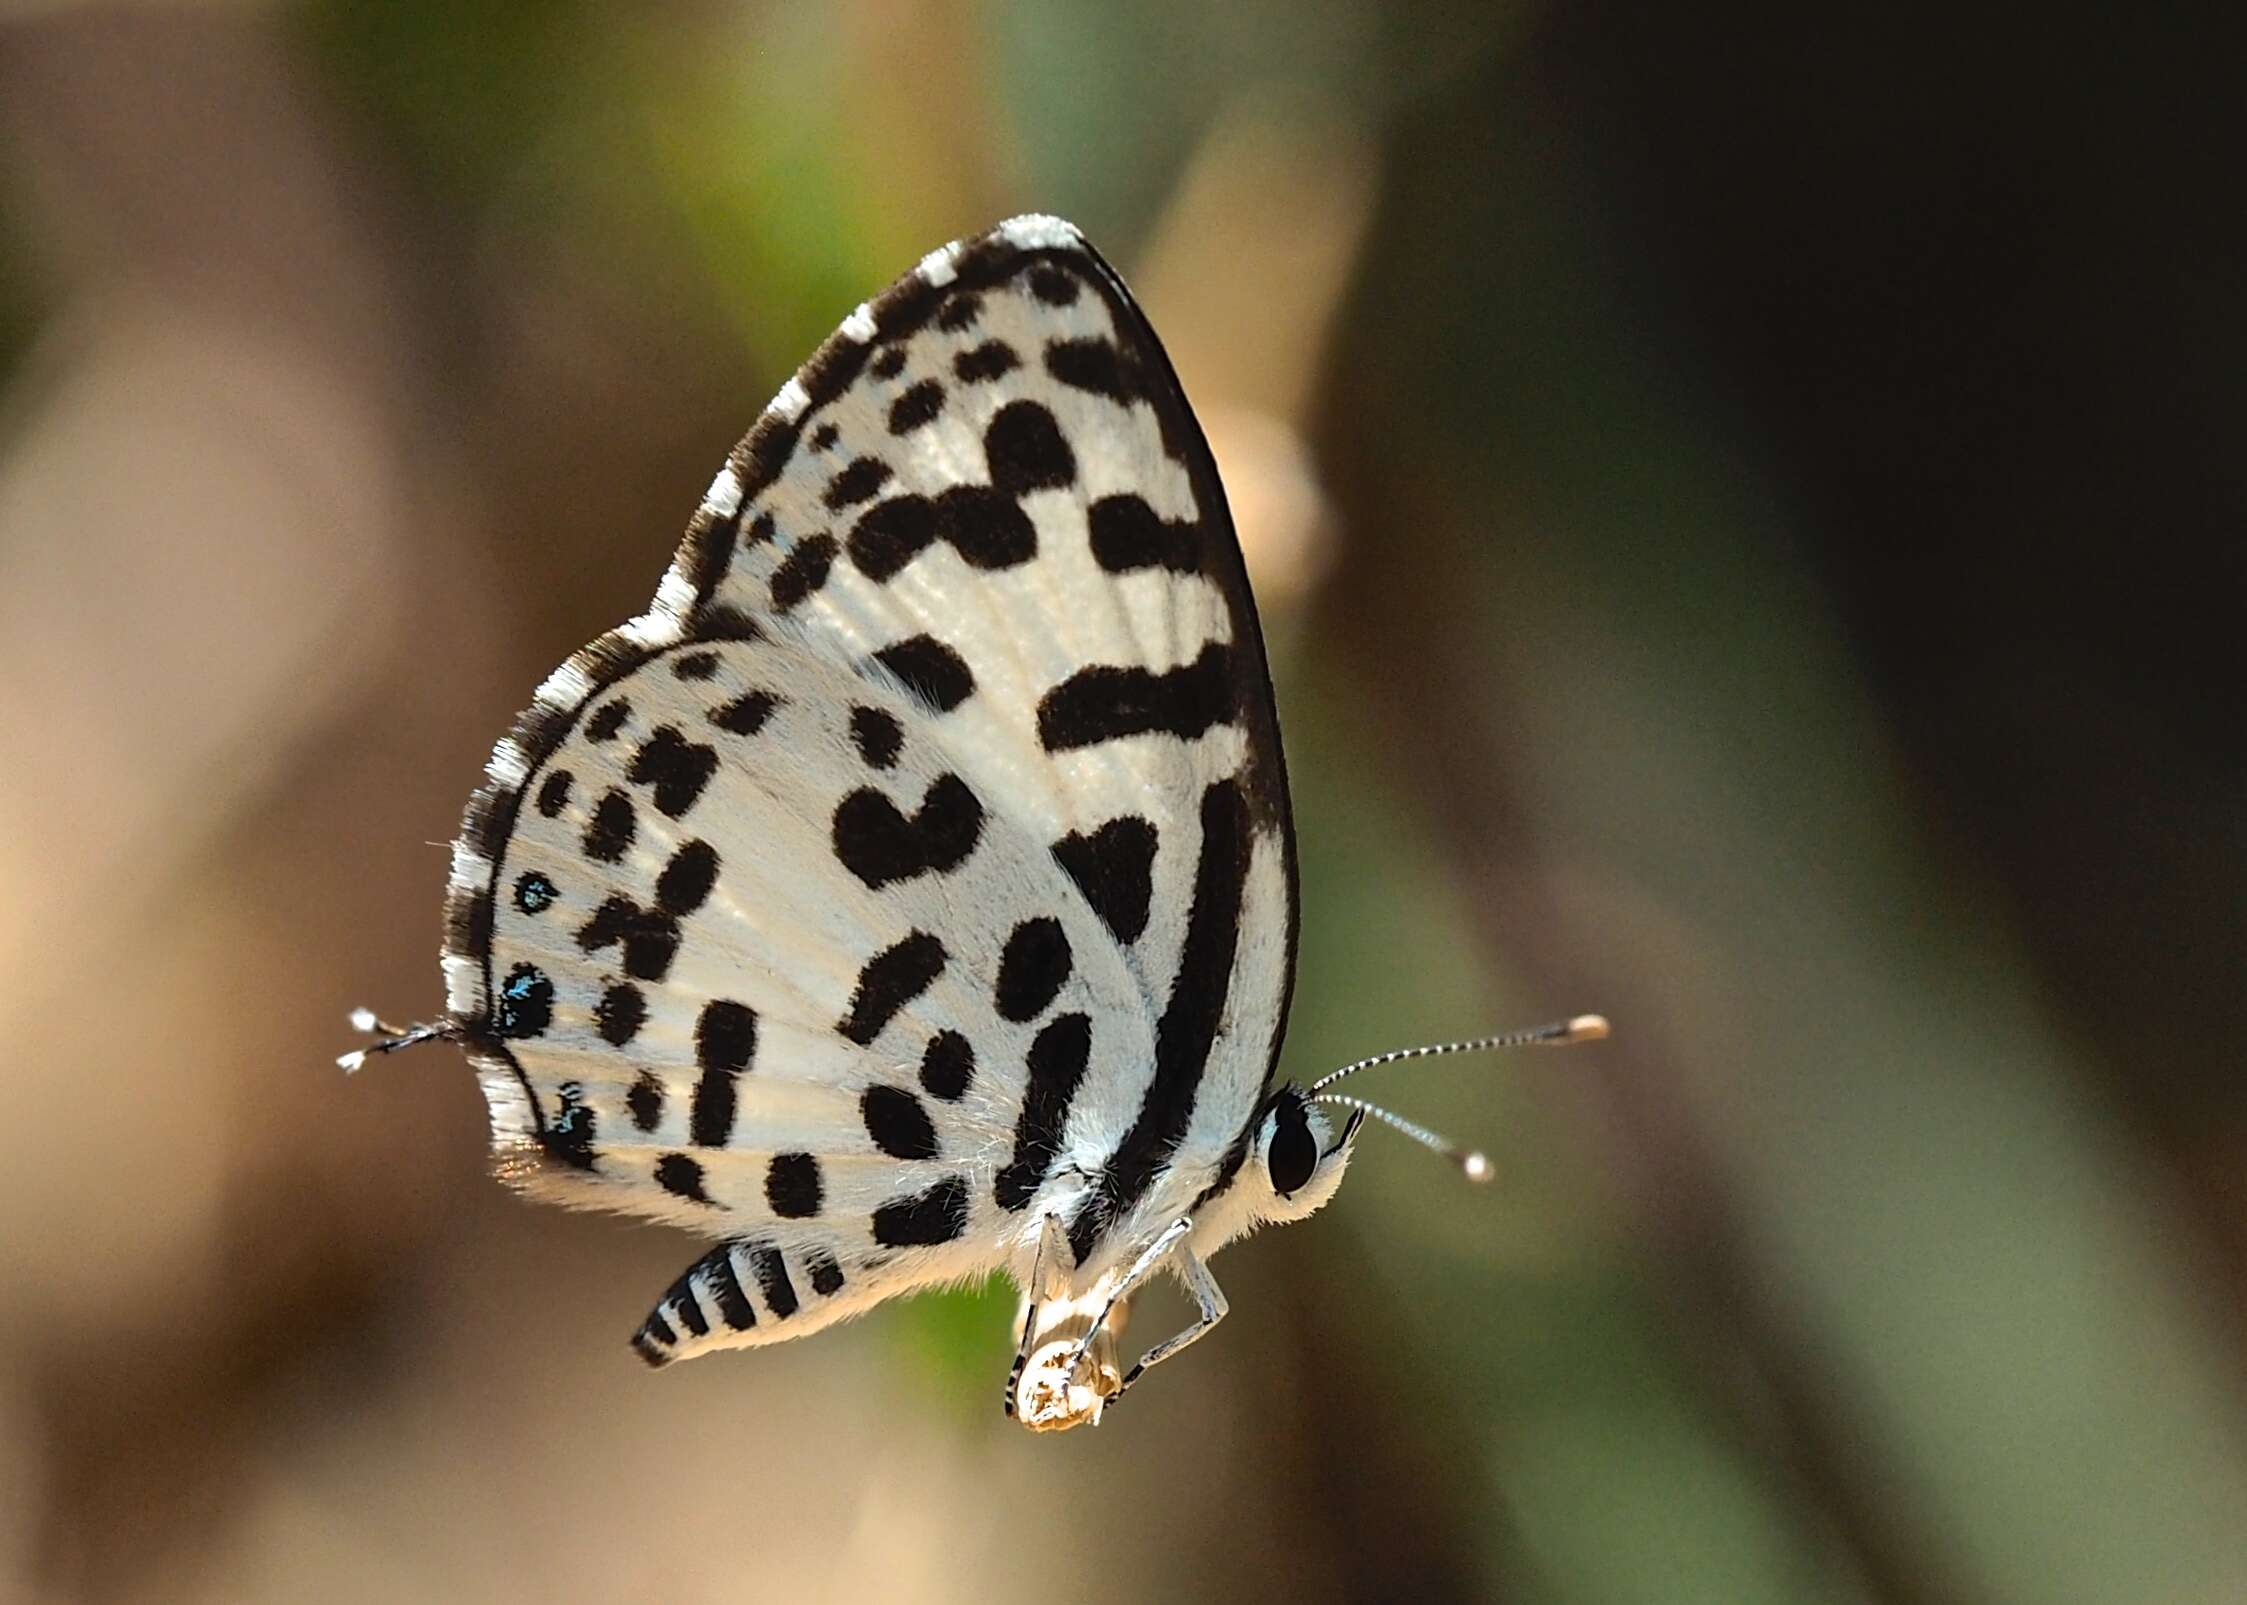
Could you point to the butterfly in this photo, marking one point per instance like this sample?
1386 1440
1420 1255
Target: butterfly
910 893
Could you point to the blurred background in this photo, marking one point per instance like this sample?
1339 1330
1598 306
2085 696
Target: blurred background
1749 516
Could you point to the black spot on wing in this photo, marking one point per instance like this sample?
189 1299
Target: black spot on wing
534 893
525 1003
959 312
891 534
857 483
925 1219
1114 868
686 880
824 437
620 1014
1032 969
897 1123
650 937
891 979
721 622
802 572
877 735
608 836
677 768
930 670
1091 365
888 363
1104 703
947 1066
645 1100
694 665
916 406
1053 286
1057 1063
569 1132
793 1187
725 1041
608 720
554 793
1128 535
826 1275
880 845
679 1175
1027 451
746 714
725 1035
993 359
987 527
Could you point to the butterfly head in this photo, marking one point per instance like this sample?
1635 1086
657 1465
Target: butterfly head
1299 1157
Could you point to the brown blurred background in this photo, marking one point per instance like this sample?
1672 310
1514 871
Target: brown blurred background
1750 520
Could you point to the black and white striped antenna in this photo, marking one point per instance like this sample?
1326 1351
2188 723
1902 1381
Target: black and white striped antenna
1473 1163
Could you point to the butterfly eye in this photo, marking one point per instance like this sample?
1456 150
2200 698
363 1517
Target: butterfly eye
1293 1152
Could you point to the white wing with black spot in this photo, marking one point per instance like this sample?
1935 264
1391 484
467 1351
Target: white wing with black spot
920 863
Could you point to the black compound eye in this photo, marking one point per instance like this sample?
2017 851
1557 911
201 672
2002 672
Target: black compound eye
1294 1152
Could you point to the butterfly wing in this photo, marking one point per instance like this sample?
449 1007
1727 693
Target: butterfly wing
920 863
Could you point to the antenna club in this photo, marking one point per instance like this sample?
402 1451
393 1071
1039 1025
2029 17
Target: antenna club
1477 1166
363 1019
1584 1028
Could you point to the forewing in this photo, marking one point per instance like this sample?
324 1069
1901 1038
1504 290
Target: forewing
920 862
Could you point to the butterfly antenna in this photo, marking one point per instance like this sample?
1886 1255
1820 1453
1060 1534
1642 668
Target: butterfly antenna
1473 1163
1583 1028
393 1037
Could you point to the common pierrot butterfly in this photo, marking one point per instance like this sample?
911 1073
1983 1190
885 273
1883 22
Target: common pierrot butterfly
909 893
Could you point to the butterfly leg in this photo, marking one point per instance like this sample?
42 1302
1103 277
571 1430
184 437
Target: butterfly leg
1209 1306
1150 1259
1049 1280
